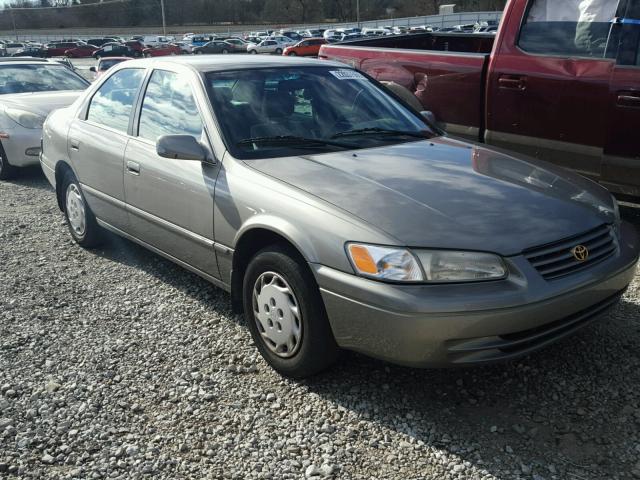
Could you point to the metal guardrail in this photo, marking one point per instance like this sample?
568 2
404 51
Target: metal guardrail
441 21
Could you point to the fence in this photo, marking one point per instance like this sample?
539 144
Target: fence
44 36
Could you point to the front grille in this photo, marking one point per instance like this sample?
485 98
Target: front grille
557 260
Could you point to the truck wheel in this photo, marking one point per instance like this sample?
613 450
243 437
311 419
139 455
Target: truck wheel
285 314
80 219
7 171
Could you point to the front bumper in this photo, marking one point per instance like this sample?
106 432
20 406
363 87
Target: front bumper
23 146
443 325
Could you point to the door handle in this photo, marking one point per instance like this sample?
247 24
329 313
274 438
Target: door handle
512 82
75 144
628 99
133 167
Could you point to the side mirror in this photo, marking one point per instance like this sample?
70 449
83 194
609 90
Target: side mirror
430 117
92 69
181 147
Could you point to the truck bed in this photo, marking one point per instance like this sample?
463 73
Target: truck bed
453 65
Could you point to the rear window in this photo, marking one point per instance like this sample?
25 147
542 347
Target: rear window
570 29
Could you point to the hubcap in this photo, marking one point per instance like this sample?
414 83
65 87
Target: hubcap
76 210
277 314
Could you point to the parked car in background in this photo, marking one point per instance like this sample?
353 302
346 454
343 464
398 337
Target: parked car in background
295 36
81 51
58 49
11 48
238 45
266 46
566 92
114 50
3 50
31 51
105 64
155 40
162 50
309 47
185 46
216 46
375 32
136 47
200 40
29 90
309 218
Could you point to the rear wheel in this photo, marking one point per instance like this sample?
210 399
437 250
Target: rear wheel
292 54
7 171
199 52
253 52
225 51
285 313
278 51
80 219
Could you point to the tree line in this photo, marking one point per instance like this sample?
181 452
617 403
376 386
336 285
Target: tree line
95 13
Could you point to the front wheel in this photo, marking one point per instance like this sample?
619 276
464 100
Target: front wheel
253 52
80 219
292 54
285 314
225 51
199 52
278 51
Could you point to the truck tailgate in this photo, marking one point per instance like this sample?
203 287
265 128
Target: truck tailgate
450 84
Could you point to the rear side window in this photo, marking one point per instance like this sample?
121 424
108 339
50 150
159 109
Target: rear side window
112 104
568 28
169 108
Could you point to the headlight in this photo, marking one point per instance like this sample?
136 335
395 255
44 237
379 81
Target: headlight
384 263
442 266
24 118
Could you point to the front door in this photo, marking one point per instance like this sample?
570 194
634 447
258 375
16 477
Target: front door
97 142
621 165
548 88
170 202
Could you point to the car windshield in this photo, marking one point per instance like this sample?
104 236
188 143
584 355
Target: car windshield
38 78
275 112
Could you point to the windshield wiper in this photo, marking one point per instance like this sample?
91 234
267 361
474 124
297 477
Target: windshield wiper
380 131
294 140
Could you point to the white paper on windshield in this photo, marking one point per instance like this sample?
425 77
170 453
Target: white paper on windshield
347 75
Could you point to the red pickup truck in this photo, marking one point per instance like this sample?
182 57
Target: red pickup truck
560 81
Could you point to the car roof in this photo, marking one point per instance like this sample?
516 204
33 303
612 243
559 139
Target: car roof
202 63
24 60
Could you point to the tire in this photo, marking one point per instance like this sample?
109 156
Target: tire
253 52
7 171
293 54
225 51
310 346
278 51
199 52
137 54
78 214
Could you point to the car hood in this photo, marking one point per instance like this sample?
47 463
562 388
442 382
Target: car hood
40 103
445 193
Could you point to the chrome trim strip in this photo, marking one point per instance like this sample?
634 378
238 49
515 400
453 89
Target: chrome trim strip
188 234
217 282
460 130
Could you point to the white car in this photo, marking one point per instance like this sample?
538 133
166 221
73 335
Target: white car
282 40
29 90
268 46
185 46
14 47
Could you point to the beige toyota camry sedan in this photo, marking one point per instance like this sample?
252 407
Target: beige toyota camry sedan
336 216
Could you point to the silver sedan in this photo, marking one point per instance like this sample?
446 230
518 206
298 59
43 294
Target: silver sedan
335 215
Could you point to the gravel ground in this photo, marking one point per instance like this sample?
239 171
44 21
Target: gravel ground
115 363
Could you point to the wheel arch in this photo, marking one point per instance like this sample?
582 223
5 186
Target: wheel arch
62 167
249 242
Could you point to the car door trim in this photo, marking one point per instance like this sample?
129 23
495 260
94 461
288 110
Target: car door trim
103 196
172 227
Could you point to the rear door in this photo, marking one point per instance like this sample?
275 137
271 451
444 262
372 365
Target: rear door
170 202
621 165
548 86
97 141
